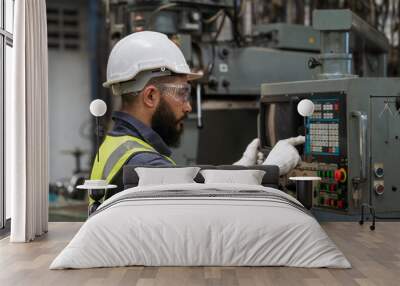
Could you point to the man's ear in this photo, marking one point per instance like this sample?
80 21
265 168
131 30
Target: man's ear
151 96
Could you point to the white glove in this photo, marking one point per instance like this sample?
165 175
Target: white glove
285 155
249 157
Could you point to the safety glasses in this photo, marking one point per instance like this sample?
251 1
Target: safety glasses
180 92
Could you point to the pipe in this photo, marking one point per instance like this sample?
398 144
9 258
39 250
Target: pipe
198 98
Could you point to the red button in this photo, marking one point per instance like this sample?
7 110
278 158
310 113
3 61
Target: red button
340 175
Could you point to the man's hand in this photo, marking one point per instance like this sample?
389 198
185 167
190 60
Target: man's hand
285 155
249 157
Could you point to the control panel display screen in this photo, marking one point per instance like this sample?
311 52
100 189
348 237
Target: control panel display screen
274 116
322 128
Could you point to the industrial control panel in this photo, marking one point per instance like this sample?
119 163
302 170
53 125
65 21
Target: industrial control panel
352 139
325 153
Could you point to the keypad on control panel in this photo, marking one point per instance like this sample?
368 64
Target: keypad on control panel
323 128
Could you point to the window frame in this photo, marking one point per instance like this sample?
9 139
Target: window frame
6 39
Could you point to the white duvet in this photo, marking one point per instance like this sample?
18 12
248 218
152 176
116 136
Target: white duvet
188 231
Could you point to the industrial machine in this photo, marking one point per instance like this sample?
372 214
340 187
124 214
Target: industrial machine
353 136
235 60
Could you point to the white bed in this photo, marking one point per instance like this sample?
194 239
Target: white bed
201 224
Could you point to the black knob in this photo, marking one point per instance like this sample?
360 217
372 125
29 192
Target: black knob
226 83
313 63
213 83
394 188
224 52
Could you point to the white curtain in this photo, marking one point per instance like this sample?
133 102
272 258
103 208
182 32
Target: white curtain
27 123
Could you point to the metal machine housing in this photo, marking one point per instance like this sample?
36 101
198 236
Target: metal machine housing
368 139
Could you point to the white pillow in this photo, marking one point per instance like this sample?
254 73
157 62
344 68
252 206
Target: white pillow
165 176
248 177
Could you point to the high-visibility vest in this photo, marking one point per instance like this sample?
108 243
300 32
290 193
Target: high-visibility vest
114 152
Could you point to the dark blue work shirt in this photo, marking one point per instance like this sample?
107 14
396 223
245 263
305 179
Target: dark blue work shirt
125 124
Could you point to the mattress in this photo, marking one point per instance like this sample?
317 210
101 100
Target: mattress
201 225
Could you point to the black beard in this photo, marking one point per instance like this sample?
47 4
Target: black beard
166 125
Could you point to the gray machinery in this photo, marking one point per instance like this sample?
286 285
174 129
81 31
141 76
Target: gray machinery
353 136
226 104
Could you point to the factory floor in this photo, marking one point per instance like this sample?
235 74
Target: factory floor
374 255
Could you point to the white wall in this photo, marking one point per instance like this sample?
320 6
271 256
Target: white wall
69 99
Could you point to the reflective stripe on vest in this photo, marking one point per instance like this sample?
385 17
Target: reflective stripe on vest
115 152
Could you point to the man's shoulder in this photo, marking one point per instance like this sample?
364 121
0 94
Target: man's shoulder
148 158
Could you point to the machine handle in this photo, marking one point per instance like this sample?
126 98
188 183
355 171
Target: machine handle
198 98
362 134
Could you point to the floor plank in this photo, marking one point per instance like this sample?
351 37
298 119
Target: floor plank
375 257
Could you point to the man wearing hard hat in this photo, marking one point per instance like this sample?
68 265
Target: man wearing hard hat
151 75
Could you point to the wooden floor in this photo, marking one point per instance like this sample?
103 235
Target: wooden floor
375 257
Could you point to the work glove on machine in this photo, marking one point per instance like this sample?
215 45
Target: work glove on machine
285 155
251 154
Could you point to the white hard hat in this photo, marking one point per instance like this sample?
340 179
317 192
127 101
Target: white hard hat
138 57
